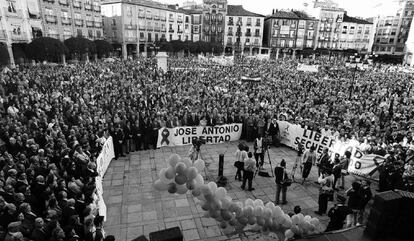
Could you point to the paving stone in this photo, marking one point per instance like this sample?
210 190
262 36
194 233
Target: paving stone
188 224
191 234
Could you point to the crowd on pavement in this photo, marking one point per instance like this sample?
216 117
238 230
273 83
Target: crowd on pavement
55 119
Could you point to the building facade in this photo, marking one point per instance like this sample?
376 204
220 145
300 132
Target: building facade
214 15
329 28
243 30
136 25
392 31
288 31
20 22
63 19
356 34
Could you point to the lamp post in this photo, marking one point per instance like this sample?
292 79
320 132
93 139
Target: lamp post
356 62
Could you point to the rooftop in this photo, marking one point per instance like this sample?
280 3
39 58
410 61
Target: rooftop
289 15
238 10
349 19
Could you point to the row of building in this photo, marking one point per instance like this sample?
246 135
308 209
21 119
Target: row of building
136 25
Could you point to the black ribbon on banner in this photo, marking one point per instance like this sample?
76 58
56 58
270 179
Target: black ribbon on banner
165 134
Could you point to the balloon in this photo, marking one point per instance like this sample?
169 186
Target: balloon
209 197
249 202
267 212
160 186
162 177
239 211
199 180
269 222
214 213
192 173
212 186
174 159
196 192
232 222
301 217
261 221
187 161
172 188
258 211
223 225
180 168
226 215
226 202
191 184
170 173
180 179
295 230
181 189
206 190
233 207
219 218
289 234
216 204
221 193
243 220
248 211
277 211
252 220
199 164
258 202
307 218
314 221
270 205
205 206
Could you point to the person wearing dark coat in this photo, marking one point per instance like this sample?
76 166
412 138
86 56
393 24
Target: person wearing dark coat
136 130
68 212
39 232
147 130
272 130
128 137
338 214
323 162
118 142
354 200
193 120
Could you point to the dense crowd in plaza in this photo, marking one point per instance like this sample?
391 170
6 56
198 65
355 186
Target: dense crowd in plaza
54 121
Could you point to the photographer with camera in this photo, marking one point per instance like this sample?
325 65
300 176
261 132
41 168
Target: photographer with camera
282 181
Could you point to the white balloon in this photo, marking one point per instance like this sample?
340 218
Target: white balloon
258 202
270 205
187 161
221 193
277 212
249 202
258 211
267 212
174 159
307 218
199 180
216 204
289 234
212 186
199 164
162 177
226 203
160 186
181 189
295 219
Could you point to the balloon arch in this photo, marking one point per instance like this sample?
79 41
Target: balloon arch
182 176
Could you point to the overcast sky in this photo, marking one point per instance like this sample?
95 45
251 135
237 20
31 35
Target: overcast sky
358 8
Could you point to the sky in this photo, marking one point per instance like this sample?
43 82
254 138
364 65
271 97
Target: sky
357 8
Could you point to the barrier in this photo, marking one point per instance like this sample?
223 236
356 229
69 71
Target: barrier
102 163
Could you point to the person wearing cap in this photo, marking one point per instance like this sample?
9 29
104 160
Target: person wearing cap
338 214
309 159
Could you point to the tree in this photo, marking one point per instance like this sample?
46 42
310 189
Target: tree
79 46
45 48
4 54
103 48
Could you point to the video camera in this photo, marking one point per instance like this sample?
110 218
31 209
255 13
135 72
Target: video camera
197 143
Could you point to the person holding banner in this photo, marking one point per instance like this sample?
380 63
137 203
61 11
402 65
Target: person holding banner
309 159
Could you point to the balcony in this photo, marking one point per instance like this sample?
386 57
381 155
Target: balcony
150 28
149 16
171 19
230 33
131 26
179 20
229 43
77 4
49 1
89 23
51 18
141 15
163 30
66 21
2 34
18 37
171 30
248 34
16 13
257 25
88 7
180 31
64 2
78 22
142 27
156 29
156 17
230 23
97 8
257 35
163 18
249 24
98 24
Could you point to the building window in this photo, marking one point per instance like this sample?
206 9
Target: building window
249 22
309 43
230 21
299 43
391 40
257 33
187 19
282 43
98 34
90 33
11 8
149 37
229 40
114 21
79 32
171 37
156 37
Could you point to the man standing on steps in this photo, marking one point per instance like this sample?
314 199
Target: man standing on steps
281 176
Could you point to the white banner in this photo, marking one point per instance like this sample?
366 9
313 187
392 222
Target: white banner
102 163
364 165
184 135
308 68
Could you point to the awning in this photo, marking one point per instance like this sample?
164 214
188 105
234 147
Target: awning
33 7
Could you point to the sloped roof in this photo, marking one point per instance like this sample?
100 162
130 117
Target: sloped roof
349 19
284 15
238 10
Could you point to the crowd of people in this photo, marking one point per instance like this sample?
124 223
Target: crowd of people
55 119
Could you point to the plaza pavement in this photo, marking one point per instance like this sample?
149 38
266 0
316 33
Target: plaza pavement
134 208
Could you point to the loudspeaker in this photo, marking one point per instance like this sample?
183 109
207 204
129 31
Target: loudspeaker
170 234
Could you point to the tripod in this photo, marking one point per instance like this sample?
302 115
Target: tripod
270 163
